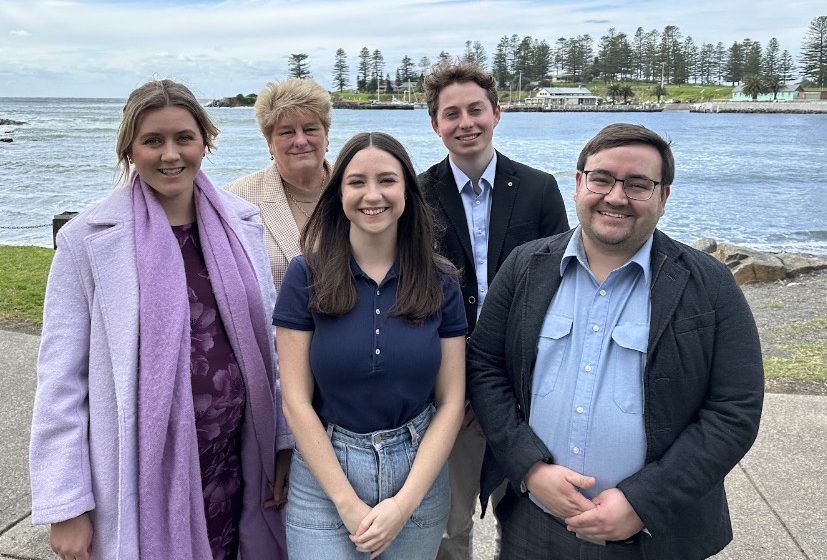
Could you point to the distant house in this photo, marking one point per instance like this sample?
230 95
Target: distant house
405 86
548 96
790 92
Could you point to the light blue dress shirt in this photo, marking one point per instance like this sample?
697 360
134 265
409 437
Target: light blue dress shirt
587 389
477 215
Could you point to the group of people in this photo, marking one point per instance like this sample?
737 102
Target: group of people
337 361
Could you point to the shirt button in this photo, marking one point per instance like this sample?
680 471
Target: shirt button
602 292
579 410
377 312
378 292
588 367
378 351
478 203
377 331
575 450
595 328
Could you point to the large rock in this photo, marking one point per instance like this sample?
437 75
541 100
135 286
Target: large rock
749 266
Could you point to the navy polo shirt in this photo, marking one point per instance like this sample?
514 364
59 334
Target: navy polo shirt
372 370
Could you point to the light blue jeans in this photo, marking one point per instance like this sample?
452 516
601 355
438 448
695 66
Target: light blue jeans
376 465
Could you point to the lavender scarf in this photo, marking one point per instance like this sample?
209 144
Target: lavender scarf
170 497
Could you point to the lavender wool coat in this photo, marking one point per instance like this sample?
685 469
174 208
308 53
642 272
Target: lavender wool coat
83 454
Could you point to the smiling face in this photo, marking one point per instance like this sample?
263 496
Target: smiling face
167 152
298 144
612 224
465 120
373 193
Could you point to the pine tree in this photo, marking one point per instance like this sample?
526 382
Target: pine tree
735 63
786 66
363 73
377 66
499 66
814 52
770 61
298 67
341 71
406 69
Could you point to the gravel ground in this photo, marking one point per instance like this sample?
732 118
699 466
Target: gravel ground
788 312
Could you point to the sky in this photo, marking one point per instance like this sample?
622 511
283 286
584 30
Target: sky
96 48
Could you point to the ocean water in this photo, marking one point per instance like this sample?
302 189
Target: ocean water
754 180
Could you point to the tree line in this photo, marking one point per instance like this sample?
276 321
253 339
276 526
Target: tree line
659 56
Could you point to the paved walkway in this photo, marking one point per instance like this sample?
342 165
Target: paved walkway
776 494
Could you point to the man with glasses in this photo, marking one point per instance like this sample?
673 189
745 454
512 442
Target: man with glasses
616 373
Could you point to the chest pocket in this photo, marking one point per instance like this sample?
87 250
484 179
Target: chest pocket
552 348
630 344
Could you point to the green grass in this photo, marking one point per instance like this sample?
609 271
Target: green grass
24 270
23 274
801 362
686 93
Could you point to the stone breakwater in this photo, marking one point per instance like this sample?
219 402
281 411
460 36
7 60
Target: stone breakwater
749 266
793 107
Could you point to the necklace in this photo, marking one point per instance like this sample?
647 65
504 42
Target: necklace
298 203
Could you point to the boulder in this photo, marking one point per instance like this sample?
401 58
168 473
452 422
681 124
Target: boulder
749 266
7 140
707 245
11 122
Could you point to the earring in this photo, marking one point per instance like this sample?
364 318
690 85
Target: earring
272 157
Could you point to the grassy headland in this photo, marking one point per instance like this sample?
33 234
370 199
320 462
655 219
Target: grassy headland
795 351
643 92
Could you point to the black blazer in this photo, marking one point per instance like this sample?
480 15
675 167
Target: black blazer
703 388
526 205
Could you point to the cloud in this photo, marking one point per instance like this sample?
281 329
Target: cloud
225 46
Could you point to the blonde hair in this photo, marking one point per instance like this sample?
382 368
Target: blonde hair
296 95
157 94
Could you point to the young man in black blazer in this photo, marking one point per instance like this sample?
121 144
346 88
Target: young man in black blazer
487 205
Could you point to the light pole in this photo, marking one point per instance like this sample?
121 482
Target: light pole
660 92
520 86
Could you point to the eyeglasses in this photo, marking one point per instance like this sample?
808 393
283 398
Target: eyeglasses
635 188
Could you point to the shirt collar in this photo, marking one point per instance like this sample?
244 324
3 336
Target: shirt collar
461 179
575 250
356 270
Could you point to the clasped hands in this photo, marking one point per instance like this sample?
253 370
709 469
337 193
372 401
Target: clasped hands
609 516
374 529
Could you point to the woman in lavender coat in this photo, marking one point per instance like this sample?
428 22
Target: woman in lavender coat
157 418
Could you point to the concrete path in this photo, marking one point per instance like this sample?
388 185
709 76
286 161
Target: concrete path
775 494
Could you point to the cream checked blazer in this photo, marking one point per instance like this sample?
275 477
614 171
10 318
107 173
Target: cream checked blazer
281 234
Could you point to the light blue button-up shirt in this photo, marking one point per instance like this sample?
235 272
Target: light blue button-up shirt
587 389
477 214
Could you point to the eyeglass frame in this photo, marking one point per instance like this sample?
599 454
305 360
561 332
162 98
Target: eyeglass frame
622 184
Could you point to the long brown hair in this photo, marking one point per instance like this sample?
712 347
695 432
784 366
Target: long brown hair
325 242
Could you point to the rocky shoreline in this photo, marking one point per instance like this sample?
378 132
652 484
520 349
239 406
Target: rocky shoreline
9 122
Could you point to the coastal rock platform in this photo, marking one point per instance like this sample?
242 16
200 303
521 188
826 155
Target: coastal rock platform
750 266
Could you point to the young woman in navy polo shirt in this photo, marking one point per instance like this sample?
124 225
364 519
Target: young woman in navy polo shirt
371 340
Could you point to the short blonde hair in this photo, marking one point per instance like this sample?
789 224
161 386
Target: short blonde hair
296 95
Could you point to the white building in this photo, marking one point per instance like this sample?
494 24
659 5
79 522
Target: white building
548 96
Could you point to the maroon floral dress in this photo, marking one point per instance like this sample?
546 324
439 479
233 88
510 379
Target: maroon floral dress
219 398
